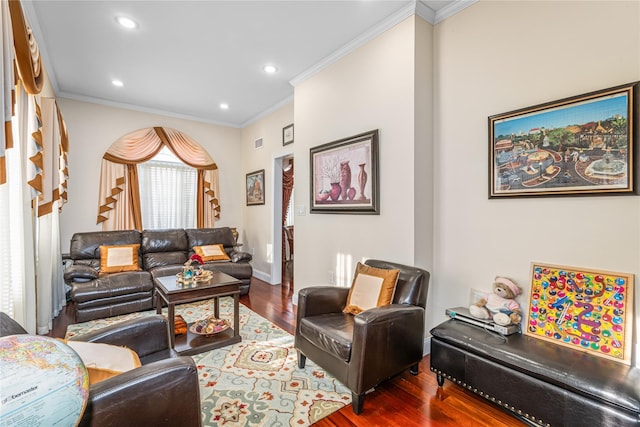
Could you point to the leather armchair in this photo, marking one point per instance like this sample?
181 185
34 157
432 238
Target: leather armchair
362 351
164 391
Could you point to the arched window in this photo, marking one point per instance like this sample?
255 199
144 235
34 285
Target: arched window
167 192
119 198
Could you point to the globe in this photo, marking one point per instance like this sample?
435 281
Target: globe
43 382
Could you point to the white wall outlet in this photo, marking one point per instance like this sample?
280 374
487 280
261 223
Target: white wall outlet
332 277
301 210
253 251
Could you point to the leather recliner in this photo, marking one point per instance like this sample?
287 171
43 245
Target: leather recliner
164 391
362 351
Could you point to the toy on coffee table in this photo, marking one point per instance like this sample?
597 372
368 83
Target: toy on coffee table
499 305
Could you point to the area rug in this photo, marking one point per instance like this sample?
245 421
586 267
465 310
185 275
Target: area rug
256 382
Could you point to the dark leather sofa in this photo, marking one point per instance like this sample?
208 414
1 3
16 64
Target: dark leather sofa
164 391
162 253
538 381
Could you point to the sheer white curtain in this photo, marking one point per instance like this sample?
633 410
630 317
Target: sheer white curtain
17 266
167 193
33 173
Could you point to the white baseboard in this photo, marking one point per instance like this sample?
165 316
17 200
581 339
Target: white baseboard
426 347
265 277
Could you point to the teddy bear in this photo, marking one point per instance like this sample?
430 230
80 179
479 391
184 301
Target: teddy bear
500 305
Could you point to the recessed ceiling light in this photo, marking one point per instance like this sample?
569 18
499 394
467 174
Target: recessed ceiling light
127 22
117 83
224 106
270 69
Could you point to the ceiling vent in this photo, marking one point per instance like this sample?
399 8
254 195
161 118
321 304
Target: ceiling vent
258 143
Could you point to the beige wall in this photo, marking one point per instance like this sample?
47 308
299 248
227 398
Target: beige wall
93 128
371 88
260 221
495 57
424 147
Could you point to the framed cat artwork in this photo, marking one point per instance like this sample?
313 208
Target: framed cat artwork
344 175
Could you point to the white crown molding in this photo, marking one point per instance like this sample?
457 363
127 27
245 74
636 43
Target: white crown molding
160 112
452 9
416 7
273 108
361 40
425 12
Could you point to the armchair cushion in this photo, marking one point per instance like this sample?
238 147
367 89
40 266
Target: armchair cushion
372 287
211 252
333 332
104 360
116 259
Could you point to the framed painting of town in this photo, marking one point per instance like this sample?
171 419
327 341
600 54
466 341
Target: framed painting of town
344 175
582 308
582 145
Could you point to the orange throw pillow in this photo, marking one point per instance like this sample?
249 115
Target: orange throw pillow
372 287
116 259
212 253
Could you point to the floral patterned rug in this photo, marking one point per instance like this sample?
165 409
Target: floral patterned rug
257 381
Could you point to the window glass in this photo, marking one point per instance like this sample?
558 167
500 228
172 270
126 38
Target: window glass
167 192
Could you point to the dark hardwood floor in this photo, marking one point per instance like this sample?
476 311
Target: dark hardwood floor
403 401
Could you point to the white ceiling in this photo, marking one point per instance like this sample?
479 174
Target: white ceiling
187 57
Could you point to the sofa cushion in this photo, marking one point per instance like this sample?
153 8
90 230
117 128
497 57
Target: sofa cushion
164 247
211 236
372 287
86 246
116 259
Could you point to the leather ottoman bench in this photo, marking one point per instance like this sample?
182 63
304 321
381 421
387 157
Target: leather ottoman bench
539 382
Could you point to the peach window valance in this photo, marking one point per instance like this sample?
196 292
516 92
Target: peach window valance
119 198
27 54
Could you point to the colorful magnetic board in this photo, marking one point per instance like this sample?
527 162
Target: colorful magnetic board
583 309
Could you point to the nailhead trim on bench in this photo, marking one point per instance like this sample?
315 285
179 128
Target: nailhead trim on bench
491 398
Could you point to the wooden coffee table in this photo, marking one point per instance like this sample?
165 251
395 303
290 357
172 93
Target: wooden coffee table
170 292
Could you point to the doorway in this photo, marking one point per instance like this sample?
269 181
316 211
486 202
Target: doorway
287 215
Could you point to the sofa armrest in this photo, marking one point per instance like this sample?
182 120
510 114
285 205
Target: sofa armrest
321 300
144 335
80 273
164 393
237 256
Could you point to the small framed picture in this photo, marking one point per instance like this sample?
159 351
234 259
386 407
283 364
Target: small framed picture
287 134
255 188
